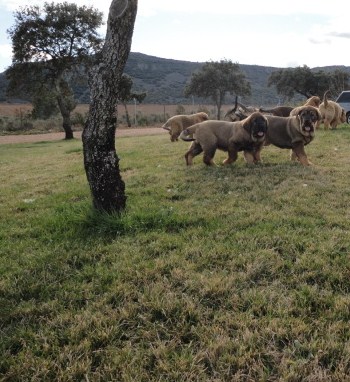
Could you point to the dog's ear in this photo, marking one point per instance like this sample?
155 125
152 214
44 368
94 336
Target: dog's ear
319 116
247 124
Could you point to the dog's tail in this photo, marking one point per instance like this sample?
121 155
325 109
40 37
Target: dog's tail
165 127
325 98
187 134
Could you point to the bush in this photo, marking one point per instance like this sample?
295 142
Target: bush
180 109
78 119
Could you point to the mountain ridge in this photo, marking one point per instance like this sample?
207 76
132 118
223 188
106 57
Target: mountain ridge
164 80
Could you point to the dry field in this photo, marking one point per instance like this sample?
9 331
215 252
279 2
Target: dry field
146 117
16 109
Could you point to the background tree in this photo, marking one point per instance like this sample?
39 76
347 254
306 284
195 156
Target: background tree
307 82
339 81
100 157
126 95
44 104
50 45
215 80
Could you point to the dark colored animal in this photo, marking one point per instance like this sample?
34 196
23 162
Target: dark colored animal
294 132
279 111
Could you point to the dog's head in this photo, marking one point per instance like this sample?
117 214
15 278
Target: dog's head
313 101
202 116
256 125
308 118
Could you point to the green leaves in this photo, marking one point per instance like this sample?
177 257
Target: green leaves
215 79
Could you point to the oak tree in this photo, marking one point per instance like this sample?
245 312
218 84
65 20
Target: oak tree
126 95
307 82
215 79
100 158
50 45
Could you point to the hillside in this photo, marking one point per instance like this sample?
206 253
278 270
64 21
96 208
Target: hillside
164 80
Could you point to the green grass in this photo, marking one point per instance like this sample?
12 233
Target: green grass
238 273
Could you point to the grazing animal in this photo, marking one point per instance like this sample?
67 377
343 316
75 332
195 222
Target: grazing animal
247 136
279 111
293 132
177 123
331 112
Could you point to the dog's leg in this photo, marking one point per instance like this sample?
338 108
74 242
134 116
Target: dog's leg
293 156
301 155
257 155
249 157
252 157
232 155
194 150
208 157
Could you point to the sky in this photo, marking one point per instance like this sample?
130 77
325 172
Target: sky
267 33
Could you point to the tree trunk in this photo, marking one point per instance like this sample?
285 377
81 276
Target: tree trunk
127 115
100 158
65 112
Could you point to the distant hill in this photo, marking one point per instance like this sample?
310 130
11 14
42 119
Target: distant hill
164 80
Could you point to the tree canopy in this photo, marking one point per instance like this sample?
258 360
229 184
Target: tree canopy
50 45
307 82
215 79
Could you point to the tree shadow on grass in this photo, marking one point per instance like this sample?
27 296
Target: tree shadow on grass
100 224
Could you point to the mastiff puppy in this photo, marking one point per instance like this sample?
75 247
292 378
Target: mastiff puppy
294 132
177 123
247 136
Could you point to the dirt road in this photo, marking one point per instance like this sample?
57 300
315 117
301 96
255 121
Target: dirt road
5 139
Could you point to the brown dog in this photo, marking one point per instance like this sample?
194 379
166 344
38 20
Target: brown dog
279 111
294 132
247 136
177 123
312 101
332 113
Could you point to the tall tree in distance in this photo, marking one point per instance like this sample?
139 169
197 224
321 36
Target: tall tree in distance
48 43
126 95
100 158
215 79
307 82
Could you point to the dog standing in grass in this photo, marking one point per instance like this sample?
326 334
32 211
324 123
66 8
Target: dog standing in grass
176 124
247 136
332 113
294 132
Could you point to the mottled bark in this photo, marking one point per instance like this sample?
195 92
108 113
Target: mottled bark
127 116
100 157
66 104
65 112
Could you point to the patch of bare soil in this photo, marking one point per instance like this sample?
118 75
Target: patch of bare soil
5 139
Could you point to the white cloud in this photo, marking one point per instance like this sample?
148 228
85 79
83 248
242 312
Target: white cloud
227 7
316 38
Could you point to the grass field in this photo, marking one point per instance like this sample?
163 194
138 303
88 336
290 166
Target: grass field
238 273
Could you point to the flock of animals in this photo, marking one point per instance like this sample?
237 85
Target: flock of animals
249 129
